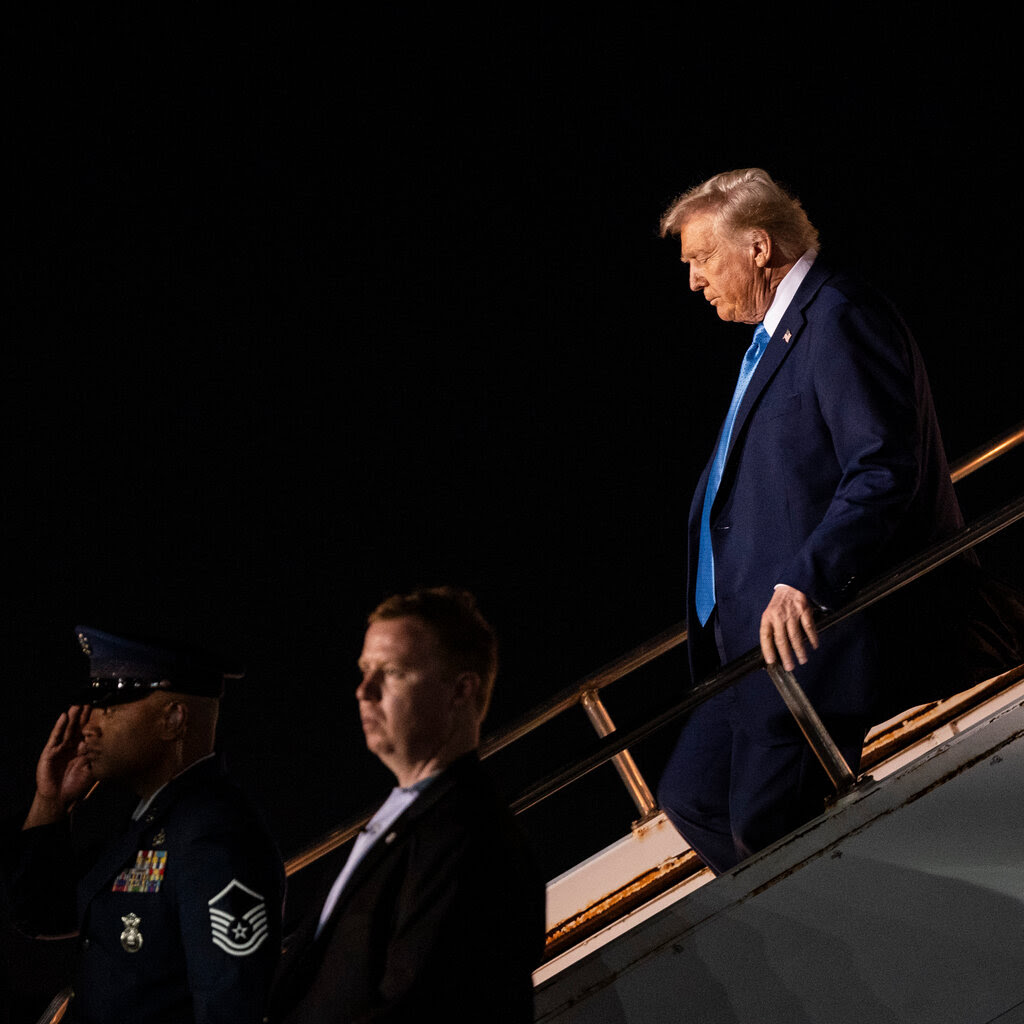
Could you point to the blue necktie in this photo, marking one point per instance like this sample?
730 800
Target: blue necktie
705 558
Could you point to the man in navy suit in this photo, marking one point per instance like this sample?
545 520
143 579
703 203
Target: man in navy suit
828 469
439 908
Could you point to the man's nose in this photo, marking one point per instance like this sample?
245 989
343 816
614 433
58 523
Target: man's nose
369 687
697 280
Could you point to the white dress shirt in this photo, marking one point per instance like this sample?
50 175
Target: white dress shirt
387 814
787 289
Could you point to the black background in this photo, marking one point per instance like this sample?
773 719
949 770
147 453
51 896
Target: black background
303 313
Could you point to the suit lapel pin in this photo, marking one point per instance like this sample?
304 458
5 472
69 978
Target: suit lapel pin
787 336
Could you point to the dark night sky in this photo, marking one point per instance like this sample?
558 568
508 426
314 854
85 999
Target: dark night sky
307 314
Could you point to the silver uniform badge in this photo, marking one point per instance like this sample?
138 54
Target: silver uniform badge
238 919
131 937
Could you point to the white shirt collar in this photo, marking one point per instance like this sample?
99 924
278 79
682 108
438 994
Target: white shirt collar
787 289
387 814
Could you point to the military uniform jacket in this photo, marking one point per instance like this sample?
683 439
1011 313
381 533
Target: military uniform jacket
444 916
178 916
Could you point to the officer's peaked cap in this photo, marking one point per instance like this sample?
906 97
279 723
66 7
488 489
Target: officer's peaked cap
123 670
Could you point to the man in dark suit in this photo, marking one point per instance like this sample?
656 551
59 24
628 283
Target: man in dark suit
828 470
178 911
439 908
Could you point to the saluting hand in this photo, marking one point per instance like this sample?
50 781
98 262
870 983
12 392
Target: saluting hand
62 774
785 625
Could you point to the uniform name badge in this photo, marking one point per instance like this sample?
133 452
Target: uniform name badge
131 937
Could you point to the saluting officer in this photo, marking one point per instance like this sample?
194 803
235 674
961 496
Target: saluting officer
179 915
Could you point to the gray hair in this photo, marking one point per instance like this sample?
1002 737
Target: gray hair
745 199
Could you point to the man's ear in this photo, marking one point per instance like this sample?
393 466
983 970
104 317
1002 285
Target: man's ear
175 718
760 247
467 689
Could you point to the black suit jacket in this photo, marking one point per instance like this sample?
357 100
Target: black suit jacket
444 914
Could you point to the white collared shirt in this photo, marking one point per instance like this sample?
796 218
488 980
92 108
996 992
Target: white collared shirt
387 814
787 289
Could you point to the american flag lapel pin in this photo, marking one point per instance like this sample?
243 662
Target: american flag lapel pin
787 336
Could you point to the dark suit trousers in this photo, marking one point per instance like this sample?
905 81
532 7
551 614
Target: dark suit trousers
731 792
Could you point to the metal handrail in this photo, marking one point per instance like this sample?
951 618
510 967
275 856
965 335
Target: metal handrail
901 576
54 1012
641 655
676 635
824 747
629 662
987 453
627 768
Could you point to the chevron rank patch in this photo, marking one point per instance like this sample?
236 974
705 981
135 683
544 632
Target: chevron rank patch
145 875
238 918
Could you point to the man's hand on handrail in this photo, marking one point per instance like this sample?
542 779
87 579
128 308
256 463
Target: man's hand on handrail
785 625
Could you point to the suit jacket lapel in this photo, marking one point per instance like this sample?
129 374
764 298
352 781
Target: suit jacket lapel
791 324
305 949
386 843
